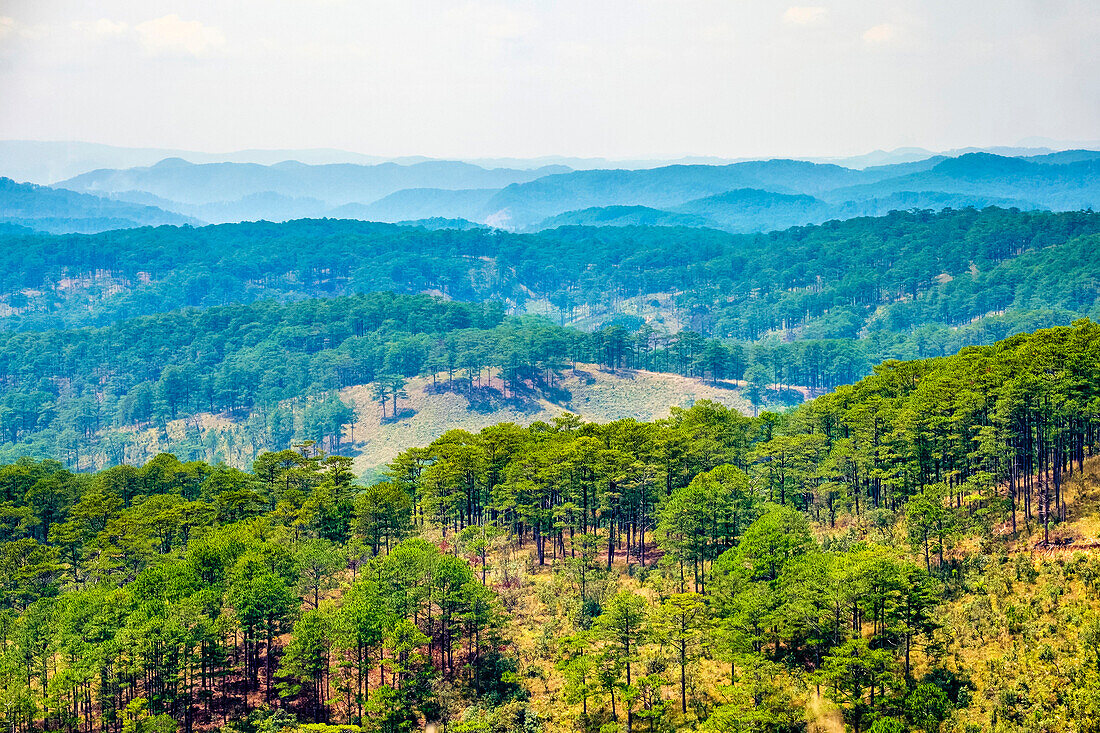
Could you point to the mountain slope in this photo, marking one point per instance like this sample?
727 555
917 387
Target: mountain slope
419 203
597 395
753 210
670 187
749 209
829 281
620 216
524 204
59 211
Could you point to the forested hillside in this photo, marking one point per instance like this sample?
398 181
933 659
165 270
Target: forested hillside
268 374
97 352
842 279
914 552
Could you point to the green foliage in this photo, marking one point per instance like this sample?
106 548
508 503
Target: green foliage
683 553
843 296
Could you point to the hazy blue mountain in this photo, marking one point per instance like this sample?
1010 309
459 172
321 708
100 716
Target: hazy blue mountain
621 216
524 204
754 210
60 211
266 206
337 184
263 206
420 203
1065 156
874 173
880 157
1066 186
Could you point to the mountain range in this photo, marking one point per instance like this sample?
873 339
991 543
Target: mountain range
747 196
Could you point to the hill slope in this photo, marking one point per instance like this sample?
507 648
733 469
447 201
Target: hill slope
1061 186
431 409
755 210
59 211
419 203
916 552
857 278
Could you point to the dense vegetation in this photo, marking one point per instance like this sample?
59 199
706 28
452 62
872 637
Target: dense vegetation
710 570
138 594
841 279
813 307
66 392
88 396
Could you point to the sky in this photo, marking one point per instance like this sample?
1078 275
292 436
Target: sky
527 78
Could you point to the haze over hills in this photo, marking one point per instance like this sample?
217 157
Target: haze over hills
746 196
335 184
754 210
48 162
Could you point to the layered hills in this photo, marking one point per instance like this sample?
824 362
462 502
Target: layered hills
744 196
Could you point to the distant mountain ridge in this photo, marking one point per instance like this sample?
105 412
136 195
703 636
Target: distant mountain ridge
1064 186
748 196
1059 181
335 184
48 162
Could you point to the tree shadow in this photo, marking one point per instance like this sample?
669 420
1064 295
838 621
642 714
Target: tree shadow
523 395
403 413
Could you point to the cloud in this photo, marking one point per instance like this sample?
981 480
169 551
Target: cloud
882 33
170 35
804 14
107 27
102 28
11 27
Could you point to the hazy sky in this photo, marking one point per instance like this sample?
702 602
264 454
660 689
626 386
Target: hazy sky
617 78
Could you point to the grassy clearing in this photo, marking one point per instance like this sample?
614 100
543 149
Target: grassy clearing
594 394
